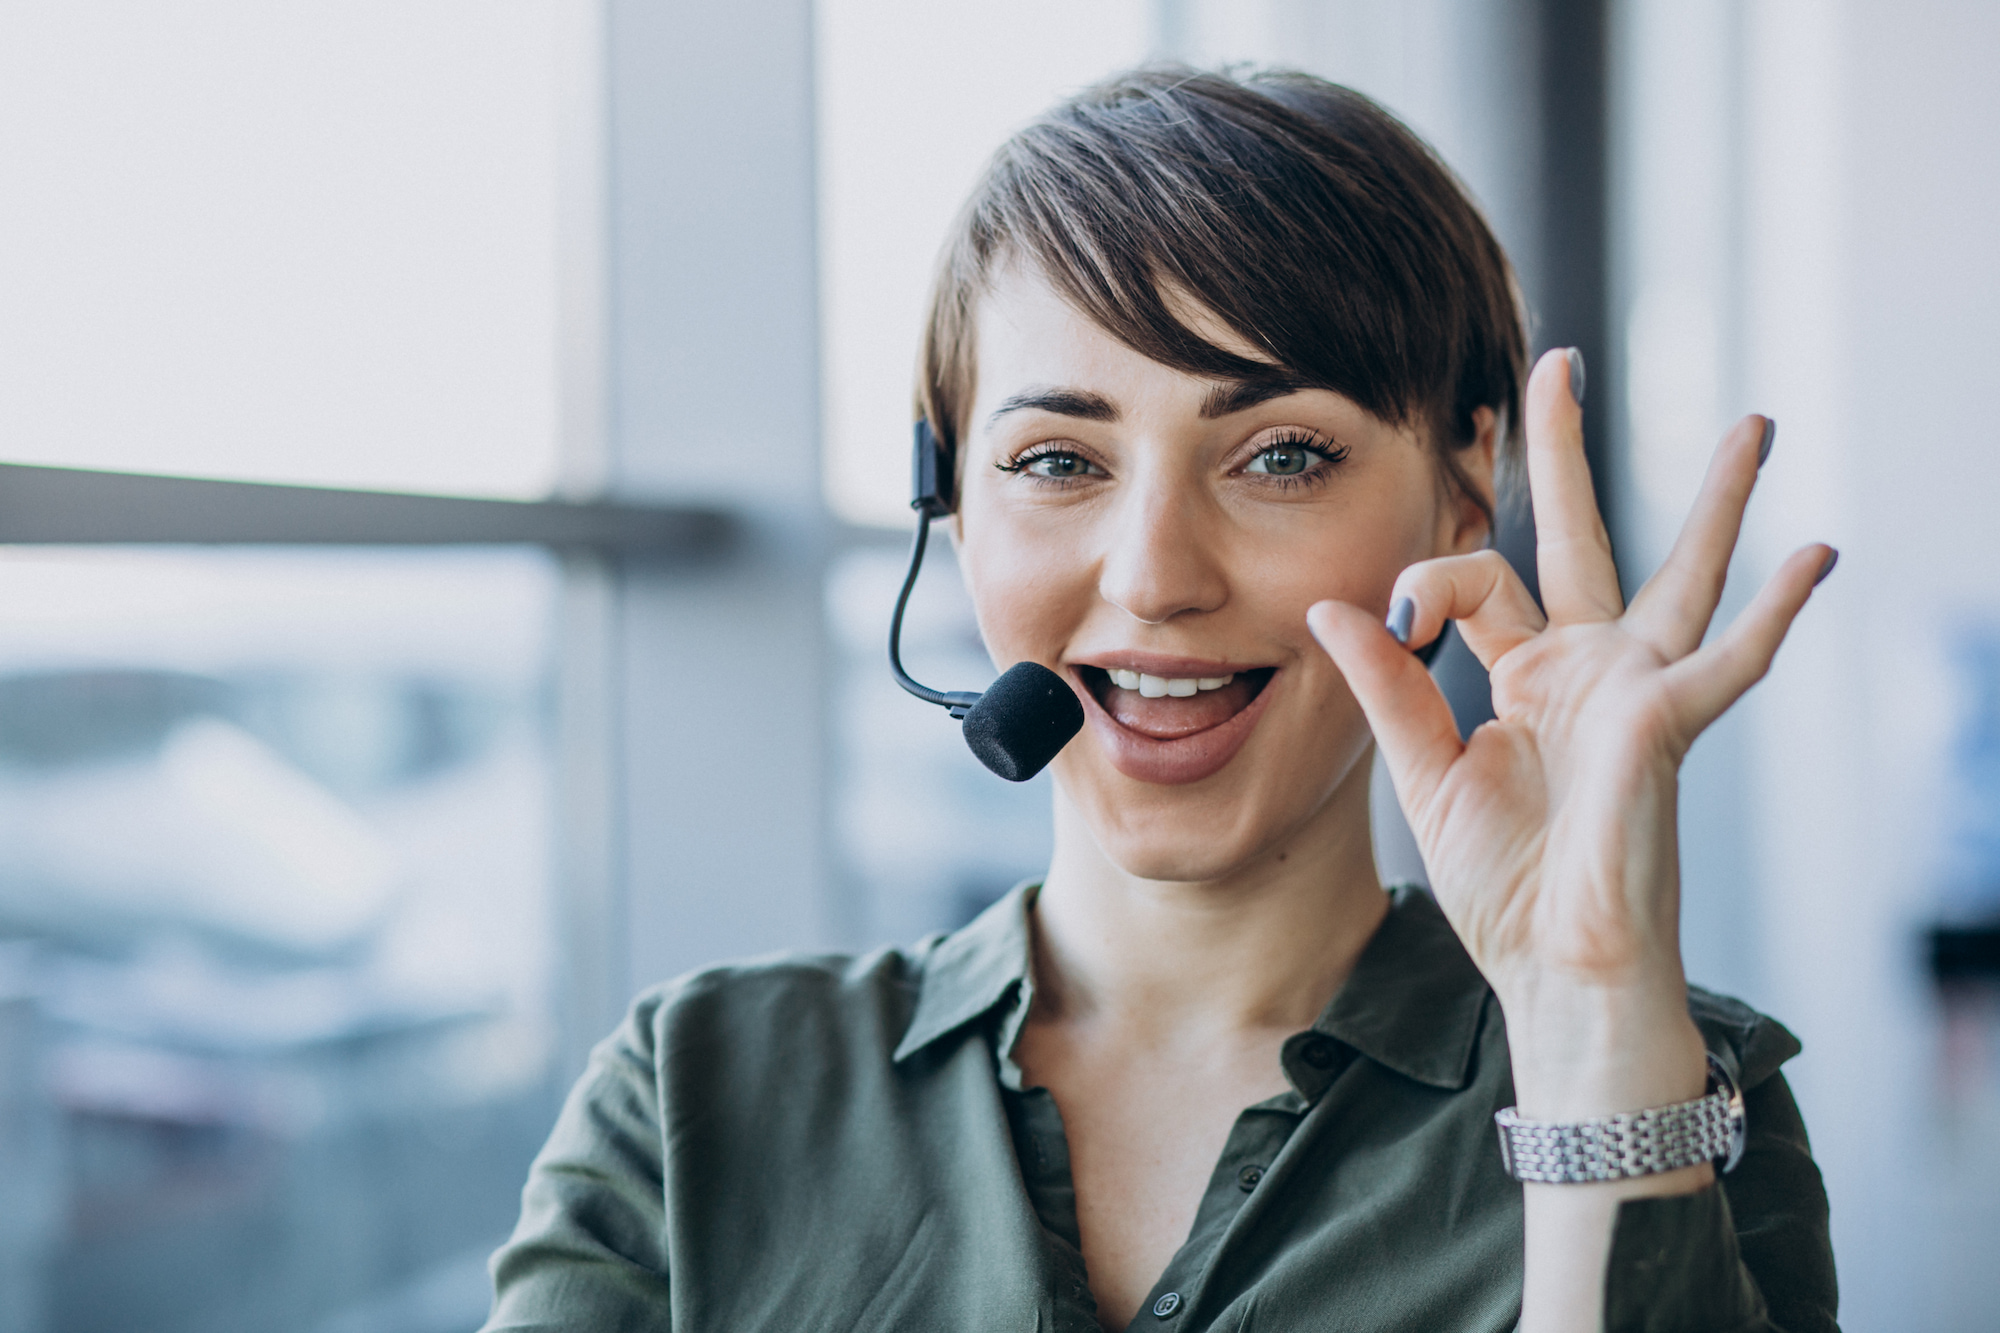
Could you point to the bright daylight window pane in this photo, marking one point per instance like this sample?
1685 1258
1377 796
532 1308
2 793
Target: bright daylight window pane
913 98
309 241
275 1013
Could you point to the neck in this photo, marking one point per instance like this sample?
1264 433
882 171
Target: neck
1263 948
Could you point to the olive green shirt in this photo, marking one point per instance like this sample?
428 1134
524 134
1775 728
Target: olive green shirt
846 1143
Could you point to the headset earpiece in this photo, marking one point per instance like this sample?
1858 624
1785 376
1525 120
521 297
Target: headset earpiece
930 473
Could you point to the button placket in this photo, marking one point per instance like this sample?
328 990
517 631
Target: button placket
1259 1135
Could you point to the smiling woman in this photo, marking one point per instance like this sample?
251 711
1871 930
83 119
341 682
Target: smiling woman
1280 497
1227 369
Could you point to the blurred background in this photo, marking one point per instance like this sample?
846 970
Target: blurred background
452 487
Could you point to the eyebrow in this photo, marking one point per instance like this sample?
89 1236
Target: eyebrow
1063 402
1241 395
1223 400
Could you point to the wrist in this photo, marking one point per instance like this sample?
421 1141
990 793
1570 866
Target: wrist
1584 1051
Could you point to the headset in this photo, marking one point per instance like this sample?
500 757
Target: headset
1024 719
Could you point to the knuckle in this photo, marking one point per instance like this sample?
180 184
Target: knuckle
1488 571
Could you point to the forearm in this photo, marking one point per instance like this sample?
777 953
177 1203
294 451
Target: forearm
1569 1229
1581 1054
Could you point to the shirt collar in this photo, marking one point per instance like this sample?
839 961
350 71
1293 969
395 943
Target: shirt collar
1415 998
1412 1004
972 970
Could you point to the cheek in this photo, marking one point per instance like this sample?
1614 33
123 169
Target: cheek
1350 557
1026 590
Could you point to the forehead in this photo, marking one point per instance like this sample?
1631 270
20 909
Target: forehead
1026 331
1036 350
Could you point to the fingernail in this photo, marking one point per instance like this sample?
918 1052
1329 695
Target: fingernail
1832 559
1402 615
1576 376
1764 446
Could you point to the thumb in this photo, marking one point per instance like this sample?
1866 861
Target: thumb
1409 716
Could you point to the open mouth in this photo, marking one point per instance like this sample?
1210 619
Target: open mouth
1170 729
1169 708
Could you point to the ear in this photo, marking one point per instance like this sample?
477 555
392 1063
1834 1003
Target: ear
1464 526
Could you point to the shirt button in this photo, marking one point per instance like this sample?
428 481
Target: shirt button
1318 1053
1249 1176
1167 1304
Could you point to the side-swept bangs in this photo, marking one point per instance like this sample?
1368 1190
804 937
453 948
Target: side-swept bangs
1300 213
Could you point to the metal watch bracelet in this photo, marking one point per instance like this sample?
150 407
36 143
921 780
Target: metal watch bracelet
1637 1143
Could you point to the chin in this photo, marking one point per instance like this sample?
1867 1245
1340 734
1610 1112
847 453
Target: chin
1189 863
1179 835
1272 791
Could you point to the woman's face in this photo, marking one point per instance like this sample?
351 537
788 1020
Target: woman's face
1137 529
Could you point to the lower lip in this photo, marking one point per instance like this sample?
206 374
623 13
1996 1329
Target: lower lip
1183 759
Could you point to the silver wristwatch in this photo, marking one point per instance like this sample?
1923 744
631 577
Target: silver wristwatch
1637 1143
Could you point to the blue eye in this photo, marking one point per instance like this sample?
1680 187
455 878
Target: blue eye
1283 460
1060 466
1297 459
1053 465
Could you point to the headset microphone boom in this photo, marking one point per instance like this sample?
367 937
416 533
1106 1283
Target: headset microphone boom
1024 718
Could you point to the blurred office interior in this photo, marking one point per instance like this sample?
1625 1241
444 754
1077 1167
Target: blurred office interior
452 466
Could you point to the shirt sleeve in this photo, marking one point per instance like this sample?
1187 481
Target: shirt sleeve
589 1250
1748 1255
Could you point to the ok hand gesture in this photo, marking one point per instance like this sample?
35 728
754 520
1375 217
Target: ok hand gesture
1550 834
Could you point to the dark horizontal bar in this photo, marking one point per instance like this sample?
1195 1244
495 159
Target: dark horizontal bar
68 505
1960 952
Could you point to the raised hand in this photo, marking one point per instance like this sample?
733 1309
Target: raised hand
1550 835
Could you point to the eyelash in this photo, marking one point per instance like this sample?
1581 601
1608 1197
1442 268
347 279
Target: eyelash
1329 457
1021 462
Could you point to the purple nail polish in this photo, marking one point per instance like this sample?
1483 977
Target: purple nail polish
1832 559
1401 616
1764 445
1576 376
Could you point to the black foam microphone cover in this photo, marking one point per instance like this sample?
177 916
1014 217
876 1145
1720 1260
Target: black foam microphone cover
1022 721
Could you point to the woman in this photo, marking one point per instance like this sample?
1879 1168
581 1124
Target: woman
1227 370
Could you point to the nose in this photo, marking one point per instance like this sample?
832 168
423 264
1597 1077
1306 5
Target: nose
1159 561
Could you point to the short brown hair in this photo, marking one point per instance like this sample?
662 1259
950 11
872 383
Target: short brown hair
1303 215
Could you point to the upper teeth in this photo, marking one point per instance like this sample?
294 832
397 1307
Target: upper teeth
1153 687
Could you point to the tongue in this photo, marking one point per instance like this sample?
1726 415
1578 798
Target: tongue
1169 718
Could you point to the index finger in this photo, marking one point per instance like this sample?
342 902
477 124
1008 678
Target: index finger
1572 549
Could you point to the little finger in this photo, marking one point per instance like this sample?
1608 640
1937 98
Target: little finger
1704 684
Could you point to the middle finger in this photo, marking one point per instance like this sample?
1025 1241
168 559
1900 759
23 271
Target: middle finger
1572 549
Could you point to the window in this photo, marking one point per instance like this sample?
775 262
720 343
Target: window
314 242
290 868
275 864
